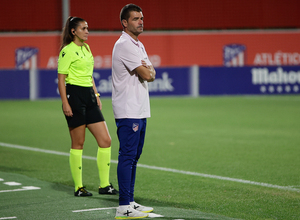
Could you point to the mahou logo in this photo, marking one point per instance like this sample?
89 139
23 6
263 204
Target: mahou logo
234 55
278 81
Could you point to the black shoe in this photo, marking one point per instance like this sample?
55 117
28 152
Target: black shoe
82 192
108 190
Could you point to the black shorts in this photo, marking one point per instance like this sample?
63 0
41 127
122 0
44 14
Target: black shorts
84 106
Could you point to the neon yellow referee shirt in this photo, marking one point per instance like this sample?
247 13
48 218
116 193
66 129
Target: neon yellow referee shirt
77 63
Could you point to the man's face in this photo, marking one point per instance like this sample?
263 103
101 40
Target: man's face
135 23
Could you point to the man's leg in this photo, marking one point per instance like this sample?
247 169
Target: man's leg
141 132
133 204
129 139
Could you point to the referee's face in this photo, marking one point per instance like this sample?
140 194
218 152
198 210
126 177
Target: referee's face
135 24
82 31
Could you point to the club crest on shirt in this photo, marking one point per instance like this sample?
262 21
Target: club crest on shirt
135 127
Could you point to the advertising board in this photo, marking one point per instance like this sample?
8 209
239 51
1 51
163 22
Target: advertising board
14 84
182 81
253 80
171 49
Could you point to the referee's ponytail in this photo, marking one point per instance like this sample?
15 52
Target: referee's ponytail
67 36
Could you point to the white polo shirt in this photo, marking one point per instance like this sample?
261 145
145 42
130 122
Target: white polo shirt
130 95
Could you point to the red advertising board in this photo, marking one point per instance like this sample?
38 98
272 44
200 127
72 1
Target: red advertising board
210 48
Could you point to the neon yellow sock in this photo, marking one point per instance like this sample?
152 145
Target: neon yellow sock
76 167
103 162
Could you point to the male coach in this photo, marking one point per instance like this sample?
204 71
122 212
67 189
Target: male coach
131 72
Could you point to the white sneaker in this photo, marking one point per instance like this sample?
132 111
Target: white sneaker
129 213
141 208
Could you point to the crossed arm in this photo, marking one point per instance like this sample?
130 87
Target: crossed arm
146 72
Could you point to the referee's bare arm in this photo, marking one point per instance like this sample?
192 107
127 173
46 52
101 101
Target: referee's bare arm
63 94
146 72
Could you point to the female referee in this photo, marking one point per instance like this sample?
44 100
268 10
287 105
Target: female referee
81 104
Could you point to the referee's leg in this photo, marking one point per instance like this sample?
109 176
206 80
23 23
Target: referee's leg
101 134
77 137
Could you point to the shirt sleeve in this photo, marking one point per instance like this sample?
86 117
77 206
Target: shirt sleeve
130 56
64 61
146 58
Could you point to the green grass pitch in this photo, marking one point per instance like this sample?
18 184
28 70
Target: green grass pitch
231 139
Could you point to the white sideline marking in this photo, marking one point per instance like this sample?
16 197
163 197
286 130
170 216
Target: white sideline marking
159 168
24 188
8 217
95 209
12 183
220 177
151 215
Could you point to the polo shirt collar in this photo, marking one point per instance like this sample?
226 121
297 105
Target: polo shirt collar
75 45
128 36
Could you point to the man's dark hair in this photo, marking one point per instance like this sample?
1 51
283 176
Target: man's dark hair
125 11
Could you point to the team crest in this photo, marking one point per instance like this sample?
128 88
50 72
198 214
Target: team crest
135 127
234 55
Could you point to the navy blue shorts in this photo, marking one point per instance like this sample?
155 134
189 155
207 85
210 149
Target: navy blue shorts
84 106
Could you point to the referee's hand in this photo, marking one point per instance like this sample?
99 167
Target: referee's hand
67 110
